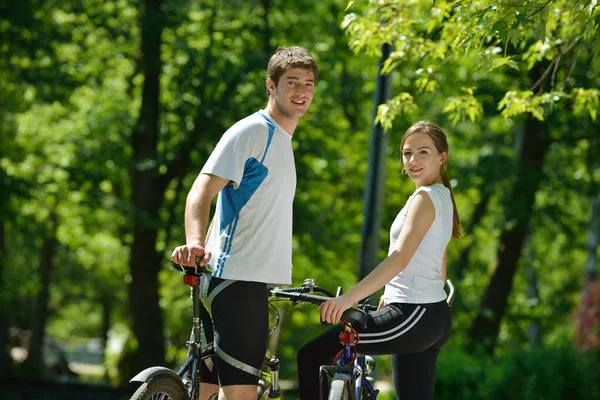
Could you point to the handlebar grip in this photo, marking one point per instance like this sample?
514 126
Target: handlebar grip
189 270
300 289
303 297
305 289
177 267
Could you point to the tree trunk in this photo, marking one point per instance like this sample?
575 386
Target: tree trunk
146 198
5 360
33 364
373 205
591 267
267 36
2 249
106 311
534 331
149 186
486 325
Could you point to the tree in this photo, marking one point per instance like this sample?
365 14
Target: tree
543 42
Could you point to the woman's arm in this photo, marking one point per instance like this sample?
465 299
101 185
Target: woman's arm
419 219
444 267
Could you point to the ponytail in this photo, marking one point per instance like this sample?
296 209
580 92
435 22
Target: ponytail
456 232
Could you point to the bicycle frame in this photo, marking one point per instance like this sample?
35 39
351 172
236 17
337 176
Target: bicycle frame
195 341
200 353
348 362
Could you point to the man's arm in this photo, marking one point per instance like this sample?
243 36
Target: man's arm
197 211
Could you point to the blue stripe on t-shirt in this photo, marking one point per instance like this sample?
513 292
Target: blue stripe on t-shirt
271 127
233 200
226 250
223 256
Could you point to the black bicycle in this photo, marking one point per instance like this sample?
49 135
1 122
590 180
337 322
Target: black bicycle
162 383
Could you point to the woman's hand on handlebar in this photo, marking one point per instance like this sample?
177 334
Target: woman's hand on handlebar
188 254
332 310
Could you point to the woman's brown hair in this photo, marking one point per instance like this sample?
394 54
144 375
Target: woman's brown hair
441 144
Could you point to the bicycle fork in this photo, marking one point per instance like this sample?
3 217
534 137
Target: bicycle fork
269 381
348 362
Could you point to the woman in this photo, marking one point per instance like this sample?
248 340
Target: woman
413 322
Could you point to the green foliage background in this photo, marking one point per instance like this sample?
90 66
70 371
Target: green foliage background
71 80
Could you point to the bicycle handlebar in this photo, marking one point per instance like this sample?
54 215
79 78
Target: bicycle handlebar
349 315
451 292
297 296
198 270
303 293
304 289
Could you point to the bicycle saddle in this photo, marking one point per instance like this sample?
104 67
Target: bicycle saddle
354 315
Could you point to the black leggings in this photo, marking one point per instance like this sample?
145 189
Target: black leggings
412 333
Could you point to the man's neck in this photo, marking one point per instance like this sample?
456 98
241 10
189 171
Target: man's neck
287 123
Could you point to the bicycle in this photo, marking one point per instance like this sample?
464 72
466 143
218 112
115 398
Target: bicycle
349 368
350 373
163 383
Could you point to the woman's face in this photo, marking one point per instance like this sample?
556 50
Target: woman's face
421 159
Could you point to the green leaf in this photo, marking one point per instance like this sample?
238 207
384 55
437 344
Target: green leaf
514 37
501 61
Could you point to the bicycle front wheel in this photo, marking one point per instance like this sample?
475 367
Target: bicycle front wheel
160 387
340 387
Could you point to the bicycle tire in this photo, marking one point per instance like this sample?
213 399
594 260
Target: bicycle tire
160 385
340 388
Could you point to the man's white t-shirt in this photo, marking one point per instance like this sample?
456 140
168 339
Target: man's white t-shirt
421 281
251 236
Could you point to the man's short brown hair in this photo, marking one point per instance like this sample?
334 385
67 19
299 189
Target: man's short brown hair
290 57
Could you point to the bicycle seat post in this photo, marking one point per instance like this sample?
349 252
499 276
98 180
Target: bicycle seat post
348 339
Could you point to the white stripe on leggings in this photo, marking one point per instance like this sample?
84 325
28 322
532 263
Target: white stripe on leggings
394 329
396 335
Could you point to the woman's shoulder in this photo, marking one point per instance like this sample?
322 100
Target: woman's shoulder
438 193
435 189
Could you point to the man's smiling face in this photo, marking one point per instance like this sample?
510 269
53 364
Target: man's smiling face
294 92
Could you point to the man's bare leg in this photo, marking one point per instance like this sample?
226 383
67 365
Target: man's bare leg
208 391
238 392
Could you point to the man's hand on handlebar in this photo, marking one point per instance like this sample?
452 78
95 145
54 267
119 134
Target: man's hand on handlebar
188 254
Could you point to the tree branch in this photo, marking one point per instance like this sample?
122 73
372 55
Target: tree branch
554 71
553 64
540 9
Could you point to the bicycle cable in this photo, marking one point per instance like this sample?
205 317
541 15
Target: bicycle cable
273 327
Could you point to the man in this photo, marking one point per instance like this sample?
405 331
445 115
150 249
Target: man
249 245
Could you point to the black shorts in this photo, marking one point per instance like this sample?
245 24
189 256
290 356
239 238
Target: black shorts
240 317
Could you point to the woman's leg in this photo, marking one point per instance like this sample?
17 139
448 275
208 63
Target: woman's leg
380 337
414 374
317 352
395 329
